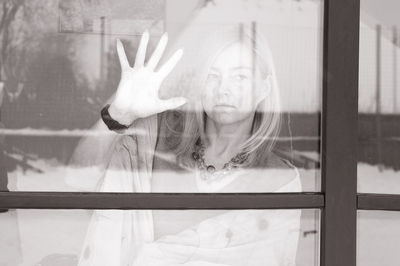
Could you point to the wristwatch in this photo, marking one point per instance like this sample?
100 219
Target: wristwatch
109 121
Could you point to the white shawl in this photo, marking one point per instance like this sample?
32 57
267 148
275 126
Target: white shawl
114 236
126 237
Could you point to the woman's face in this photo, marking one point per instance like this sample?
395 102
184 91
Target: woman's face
233 90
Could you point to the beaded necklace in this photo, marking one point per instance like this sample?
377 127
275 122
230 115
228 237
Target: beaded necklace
209 173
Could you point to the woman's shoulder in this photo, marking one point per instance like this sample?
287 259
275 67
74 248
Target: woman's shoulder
273 160
287 171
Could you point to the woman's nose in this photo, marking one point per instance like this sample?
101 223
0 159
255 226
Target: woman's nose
224 87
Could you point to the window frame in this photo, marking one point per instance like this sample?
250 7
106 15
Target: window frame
338 199
339 116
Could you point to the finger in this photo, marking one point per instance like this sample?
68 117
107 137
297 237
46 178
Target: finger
158 52
123 60
172 103
141 52
170 64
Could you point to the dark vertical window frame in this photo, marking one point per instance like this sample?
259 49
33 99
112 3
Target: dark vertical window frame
339 132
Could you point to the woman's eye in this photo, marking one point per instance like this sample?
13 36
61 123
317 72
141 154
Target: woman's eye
212 77
241 77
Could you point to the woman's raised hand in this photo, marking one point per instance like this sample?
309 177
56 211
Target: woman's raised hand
137 93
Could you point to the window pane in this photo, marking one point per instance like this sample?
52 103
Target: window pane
378 238
379 98
249 74
170 237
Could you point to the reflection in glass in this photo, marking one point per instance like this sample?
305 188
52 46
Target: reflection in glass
378 237
170 237
379 100
252 65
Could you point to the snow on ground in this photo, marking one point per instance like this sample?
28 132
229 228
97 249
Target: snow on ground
54 176
371 179
49 175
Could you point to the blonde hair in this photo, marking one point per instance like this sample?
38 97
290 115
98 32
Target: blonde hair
188 123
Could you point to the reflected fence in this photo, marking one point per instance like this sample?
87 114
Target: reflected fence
379 96
379 144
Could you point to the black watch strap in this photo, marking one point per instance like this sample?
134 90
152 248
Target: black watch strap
109 121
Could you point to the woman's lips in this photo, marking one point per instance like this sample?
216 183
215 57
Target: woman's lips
224 106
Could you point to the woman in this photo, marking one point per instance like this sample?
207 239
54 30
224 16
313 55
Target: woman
219 137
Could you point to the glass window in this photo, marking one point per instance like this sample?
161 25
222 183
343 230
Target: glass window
379 99
236 92
378 237
169 237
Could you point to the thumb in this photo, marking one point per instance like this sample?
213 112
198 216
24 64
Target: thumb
172 103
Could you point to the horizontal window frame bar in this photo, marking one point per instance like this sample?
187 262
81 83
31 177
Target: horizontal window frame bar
378 202
126 201
103 200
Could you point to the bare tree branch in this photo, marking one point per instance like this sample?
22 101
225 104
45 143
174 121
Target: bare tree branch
10 9
4 16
